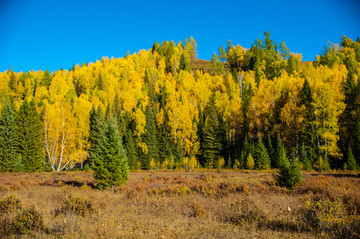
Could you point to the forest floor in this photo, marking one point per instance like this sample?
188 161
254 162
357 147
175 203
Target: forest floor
179 204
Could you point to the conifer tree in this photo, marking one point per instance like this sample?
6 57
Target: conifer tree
96 129
247 94
10 160
211 143
216 67
229 162
129 141
279 154
242 160
247 147
29 137
356 140
222 53
166 144
270 149
184 63
289 174
350 162
349 117
116 113
150 137
304 158
309 134
262 160
131 150
110 161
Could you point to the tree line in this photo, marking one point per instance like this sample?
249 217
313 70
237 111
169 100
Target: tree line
256 108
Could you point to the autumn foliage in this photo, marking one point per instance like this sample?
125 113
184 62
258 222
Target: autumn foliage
169 112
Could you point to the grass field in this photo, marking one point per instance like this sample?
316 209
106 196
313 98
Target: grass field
179 204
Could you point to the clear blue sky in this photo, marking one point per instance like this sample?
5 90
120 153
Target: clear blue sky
49 34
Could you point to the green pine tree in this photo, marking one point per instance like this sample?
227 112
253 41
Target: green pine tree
349 119
166 144
350 162
116 113
96 129
247 94
110 161
29 137
270 150
304 158
289 174
211 143
150 137
247 147
184 63
229 162
309 134
279 154
216 67
10 160
222 53
262 159
242 161
131 150
356 140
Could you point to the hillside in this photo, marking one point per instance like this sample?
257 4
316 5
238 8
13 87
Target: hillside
172 114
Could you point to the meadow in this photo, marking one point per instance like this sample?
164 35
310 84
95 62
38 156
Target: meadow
179 204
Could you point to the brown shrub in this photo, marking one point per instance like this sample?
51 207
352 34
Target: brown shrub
26 221
9 204
332 217
198 210
74 204
245 212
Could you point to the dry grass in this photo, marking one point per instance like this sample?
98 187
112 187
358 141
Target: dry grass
194 204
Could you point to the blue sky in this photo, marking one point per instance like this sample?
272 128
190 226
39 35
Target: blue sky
49 34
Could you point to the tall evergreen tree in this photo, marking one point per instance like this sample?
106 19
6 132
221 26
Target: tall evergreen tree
110 161
262 159
304 158
96 129
350 162
211 144
29 137
282 156
164 139
356 140
270 149
150 136
10 160
131 150
349 117
309 134
242 160
222 53
279 153
129 142
116 113
246 95
246 148
184 63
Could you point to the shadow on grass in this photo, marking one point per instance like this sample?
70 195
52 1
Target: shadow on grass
79 184
337 175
